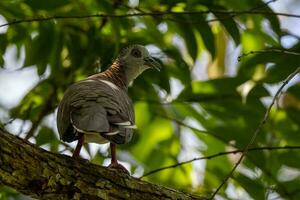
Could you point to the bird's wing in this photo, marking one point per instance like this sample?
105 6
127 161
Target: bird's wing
90 118
94 106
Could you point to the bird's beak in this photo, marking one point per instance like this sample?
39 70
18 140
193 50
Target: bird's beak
152 63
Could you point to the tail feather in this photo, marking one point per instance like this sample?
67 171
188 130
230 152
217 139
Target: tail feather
118 134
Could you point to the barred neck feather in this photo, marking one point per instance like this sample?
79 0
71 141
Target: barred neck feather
115 74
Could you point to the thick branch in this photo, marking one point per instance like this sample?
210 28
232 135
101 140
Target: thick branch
45 175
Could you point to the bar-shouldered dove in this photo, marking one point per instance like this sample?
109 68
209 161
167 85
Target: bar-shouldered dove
98 109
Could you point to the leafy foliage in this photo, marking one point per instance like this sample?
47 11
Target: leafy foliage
226 108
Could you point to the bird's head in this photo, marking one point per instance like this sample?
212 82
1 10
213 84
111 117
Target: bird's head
136 59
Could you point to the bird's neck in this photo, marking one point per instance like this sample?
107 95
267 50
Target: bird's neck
115 74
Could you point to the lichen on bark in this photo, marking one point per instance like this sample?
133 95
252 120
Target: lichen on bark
46 175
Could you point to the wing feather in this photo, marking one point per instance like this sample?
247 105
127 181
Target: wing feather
96 106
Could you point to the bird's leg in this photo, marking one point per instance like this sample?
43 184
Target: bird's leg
114 162
78 146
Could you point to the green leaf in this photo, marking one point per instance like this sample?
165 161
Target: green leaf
282 68
215 89
227 110
33 104
292 188
285 159
143 90
55 59
294 116
39 49
285 124
250 63
295 91
161 79
1 61
186 30
274 20
47 136
98 159
3 42
180 69
156 35
254 188
230 25
215 172
46 5
9 9
252 40
9 193
157 131
258 91
206 33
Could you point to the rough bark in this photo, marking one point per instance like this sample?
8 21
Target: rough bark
46 175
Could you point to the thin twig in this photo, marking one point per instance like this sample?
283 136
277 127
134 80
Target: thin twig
197 99
259 127
152 14
217 155
284 51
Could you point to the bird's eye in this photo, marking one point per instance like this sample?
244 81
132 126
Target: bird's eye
136 53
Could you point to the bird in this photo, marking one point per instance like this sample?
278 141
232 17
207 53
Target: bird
98 108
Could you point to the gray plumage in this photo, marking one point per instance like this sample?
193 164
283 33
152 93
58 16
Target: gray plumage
94 107
98 108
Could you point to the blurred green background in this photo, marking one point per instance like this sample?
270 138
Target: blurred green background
204 100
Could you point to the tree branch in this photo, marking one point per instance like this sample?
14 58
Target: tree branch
196 99
152 14
45 175
282 51
217 155
259 127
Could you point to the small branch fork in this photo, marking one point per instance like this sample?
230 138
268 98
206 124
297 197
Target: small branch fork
258 129
152 14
